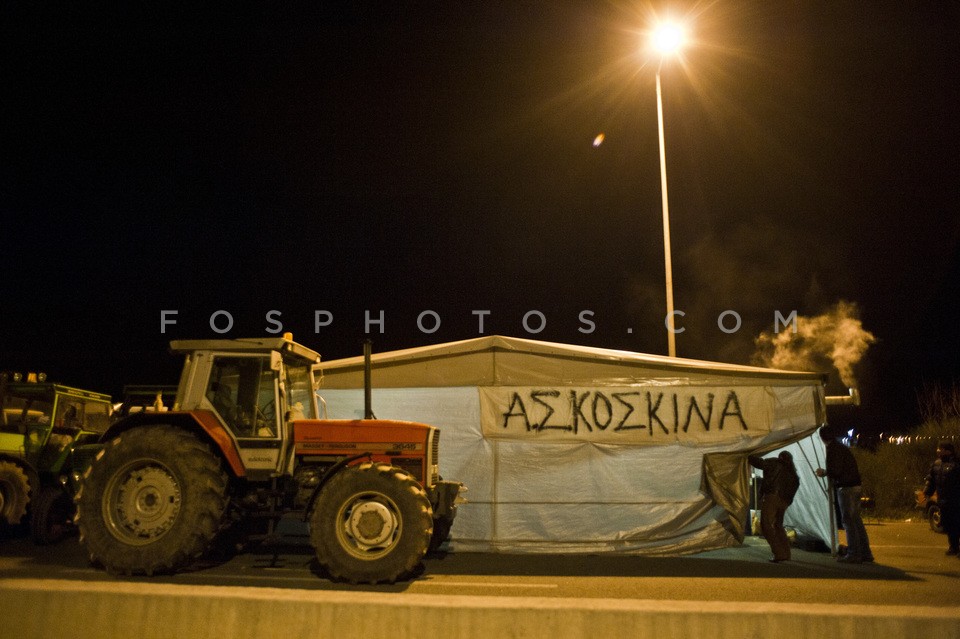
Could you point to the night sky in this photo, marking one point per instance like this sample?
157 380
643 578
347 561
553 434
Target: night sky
439 156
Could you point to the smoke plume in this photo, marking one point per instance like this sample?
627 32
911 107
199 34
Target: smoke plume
835 338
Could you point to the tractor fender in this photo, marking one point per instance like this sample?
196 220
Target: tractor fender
200 422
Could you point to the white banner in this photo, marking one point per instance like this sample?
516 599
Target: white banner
638 415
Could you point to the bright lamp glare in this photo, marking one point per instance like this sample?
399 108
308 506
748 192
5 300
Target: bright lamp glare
668 38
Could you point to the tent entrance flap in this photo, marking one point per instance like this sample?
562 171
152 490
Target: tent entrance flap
726 480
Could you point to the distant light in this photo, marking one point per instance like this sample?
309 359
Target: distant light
668 38
597 141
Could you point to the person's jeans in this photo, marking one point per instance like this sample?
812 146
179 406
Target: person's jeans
858 546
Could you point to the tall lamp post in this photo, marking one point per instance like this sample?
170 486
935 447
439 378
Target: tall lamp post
667 40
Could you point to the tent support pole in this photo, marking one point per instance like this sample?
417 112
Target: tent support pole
367 401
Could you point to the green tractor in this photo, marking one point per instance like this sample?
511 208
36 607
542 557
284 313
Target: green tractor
40 423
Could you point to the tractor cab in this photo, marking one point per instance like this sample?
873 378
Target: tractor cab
40 420
255 388
41 426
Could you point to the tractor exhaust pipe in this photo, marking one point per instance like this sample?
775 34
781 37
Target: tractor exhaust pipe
367 400
853 399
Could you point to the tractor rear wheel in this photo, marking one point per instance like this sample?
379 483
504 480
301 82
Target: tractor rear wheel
151 502
371 524
14 493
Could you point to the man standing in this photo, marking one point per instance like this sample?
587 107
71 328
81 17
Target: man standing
780 483
842 469
944 478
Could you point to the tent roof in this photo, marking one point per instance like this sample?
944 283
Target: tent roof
499 360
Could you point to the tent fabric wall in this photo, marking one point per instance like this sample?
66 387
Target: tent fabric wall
578 493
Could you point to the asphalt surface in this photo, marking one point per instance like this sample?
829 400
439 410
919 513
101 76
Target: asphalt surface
911 569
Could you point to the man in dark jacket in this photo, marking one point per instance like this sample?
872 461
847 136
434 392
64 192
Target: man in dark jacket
780 483
944 479
842 469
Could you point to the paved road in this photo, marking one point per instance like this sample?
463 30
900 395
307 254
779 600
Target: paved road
911 569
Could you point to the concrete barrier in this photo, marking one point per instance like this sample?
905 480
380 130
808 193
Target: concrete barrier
35 608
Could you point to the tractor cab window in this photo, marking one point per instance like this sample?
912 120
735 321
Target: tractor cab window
299 392
243 392
96 417
23 411
69 414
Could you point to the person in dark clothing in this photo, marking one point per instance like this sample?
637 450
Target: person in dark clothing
780 483
944 479
843 470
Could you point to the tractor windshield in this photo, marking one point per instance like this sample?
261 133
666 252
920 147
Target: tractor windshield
299 384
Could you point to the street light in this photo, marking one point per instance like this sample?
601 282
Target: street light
667 40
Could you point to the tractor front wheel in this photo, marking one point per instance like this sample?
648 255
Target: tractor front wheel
371 524
52 518
441 533
14 493
151 502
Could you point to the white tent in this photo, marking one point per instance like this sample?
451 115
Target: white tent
576 449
